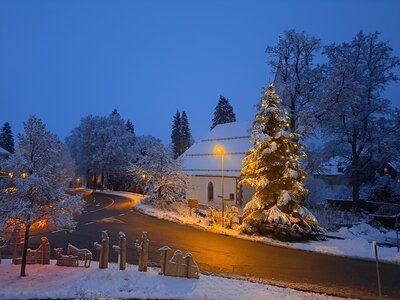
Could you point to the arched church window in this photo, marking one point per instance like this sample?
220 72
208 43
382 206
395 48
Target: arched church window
210 193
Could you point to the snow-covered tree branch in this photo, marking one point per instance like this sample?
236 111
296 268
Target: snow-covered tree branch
155 168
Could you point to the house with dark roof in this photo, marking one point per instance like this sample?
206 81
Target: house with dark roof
391 168
334 171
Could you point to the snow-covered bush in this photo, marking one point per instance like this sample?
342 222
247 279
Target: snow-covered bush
213 216
385 189
319 191
231 217
168 188
160 175
331 219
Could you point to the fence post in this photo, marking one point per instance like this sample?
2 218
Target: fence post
377 268
397 232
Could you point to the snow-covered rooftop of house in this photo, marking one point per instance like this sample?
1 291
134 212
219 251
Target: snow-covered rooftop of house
336 165
395 165
4 151
200 158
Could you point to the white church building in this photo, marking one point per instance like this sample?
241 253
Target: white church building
204 165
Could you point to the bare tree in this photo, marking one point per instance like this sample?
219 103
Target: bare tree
297 79
354 112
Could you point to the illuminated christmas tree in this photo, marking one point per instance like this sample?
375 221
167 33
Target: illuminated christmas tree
272 168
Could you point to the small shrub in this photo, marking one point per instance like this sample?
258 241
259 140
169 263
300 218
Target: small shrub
231 217
212 216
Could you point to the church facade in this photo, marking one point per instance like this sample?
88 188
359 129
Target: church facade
203 163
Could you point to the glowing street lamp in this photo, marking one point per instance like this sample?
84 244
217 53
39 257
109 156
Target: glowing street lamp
143 176
220 151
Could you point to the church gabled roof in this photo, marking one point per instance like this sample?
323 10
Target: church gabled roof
201 159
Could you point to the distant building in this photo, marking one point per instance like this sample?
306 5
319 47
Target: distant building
204 165
334 171
393 169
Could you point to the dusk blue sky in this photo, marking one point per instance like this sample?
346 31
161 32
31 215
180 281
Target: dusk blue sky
63 60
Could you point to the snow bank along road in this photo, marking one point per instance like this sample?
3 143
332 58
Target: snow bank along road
227 255
67 283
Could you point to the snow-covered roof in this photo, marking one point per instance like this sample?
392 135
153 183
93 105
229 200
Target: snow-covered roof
336 165
200 158
4 152
395 165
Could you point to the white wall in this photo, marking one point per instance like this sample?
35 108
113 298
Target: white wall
199 189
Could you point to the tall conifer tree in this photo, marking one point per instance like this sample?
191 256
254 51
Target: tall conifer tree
272 168
7 138
186 136
130 127
176 135
223 113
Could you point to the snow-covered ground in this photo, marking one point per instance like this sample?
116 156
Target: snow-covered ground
356 241
51 281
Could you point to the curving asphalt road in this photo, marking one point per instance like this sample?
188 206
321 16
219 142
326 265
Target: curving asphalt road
227 255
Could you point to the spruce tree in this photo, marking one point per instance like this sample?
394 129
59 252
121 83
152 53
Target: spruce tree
176 137
7 138
186 136
223 113
130 127
272 168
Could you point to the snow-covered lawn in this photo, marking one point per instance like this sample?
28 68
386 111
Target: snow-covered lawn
51 281
356 240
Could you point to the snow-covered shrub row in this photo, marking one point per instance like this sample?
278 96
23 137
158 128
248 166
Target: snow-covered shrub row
331 219
231 217
320 191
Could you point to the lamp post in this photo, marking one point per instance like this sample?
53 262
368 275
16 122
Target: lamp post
143 183
220 151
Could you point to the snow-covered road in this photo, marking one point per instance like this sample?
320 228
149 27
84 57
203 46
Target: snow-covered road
228 255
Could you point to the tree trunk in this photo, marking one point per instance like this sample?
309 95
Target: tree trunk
355 174
23 263
87 178
293 124
356 188
94 186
